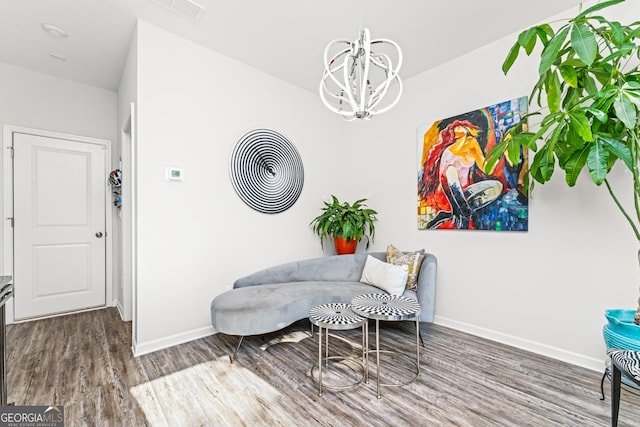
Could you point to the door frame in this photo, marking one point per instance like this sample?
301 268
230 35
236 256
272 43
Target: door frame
7 206
127 281
130 193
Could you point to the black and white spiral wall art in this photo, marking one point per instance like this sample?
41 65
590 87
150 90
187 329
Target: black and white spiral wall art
266 171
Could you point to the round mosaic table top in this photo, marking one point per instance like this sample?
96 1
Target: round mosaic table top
335 316
385 306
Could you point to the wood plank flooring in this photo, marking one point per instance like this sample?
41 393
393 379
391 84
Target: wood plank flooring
83 361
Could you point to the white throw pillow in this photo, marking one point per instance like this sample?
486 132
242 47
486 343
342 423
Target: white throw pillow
388 277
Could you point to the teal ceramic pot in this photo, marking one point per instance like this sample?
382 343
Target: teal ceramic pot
621 332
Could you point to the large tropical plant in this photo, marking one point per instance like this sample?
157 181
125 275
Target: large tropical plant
589 94
349 221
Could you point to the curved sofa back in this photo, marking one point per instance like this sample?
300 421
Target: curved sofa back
336 268
346 268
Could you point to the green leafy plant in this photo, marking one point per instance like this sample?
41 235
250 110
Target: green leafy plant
588 75
350 221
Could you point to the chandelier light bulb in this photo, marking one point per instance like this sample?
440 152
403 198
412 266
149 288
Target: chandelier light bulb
356 79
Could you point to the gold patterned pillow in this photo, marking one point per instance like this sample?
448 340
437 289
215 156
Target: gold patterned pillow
413 260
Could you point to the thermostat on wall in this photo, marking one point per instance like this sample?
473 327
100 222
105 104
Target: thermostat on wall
175 174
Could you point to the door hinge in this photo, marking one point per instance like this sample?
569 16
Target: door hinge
11 150
12 221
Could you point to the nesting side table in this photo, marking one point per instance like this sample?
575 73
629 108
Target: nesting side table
338 316
389 308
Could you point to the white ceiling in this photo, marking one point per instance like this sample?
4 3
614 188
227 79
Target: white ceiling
284 38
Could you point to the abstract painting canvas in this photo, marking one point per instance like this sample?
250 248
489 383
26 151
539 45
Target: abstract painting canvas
455 189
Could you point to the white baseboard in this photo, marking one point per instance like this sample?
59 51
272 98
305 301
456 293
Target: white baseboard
165 342
120 310
532 346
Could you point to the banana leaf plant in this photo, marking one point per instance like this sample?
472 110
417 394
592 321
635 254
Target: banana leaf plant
588 92
349 221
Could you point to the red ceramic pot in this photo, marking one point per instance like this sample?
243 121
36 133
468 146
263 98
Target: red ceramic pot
345 247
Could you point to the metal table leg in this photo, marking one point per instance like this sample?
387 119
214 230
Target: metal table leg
326 347
378 358
616 380
365 351
418 339
320 360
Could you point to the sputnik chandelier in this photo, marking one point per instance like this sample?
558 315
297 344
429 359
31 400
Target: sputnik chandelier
356 79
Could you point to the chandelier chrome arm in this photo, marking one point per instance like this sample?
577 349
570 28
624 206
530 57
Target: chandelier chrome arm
355 96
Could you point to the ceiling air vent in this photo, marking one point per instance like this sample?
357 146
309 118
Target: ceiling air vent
186 8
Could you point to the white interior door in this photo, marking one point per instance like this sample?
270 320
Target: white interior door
59 231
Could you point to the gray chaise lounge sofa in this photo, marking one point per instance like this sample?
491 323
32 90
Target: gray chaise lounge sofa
271 299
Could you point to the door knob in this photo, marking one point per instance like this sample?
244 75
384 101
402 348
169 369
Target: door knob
99 234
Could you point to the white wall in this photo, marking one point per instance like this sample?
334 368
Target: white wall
544 290
40 101
196 237
32 99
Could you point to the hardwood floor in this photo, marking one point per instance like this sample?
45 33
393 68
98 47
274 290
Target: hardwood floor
83 361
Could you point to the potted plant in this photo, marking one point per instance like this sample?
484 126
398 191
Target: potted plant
589 78
346 223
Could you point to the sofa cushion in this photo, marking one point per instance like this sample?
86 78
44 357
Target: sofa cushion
413 261
388 277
